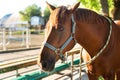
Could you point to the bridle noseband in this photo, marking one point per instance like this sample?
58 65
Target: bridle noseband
59 51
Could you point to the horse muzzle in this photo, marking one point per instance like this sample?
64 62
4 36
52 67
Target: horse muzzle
46 65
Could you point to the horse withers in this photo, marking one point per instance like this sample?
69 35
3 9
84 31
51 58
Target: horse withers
98 35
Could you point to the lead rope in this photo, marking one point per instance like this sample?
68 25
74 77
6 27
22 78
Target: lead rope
82 65
106 44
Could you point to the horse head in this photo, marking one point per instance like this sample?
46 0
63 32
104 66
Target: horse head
59 36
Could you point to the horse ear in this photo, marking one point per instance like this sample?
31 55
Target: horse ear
51 8
74 7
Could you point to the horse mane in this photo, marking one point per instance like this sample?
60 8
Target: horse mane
83 15
89 16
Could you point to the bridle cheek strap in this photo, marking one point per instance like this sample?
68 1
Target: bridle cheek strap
59 51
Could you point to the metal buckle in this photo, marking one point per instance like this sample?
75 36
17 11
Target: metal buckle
58 50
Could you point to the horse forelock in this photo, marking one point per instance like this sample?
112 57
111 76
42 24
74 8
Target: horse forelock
60 14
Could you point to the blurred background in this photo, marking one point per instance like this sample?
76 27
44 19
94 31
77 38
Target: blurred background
22 25
23 22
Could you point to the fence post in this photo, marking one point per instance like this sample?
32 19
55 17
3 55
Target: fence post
80 69
27 37
72 66
23 37
4 39
17 73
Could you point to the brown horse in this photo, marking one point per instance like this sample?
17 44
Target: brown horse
97 34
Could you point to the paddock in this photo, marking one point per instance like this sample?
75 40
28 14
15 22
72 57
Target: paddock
62 71
17 32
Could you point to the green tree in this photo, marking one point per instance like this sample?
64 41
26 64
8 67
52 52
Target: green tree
46 13
32 10
91 4
98 5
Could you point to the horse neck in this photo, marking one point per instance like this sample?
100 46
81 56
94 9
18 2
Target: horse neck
92 36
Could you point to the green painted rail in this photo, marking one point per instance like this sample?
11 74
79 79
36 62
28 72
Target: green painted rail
38 75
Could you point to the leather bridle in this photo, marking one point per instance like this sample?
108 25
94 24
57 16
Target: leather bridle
59 50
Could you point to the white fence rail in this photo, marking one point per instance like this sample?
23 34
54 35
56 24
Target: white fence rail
7 35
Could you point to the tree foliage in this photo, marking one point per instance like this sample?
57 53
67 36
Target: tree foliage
32 10
95 4
91 4
46 13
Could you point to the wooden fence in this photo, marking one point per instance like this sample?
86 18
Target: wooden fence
26 62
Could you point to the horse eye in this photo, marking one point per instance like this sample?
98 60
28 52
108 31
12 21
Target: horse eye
60 28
